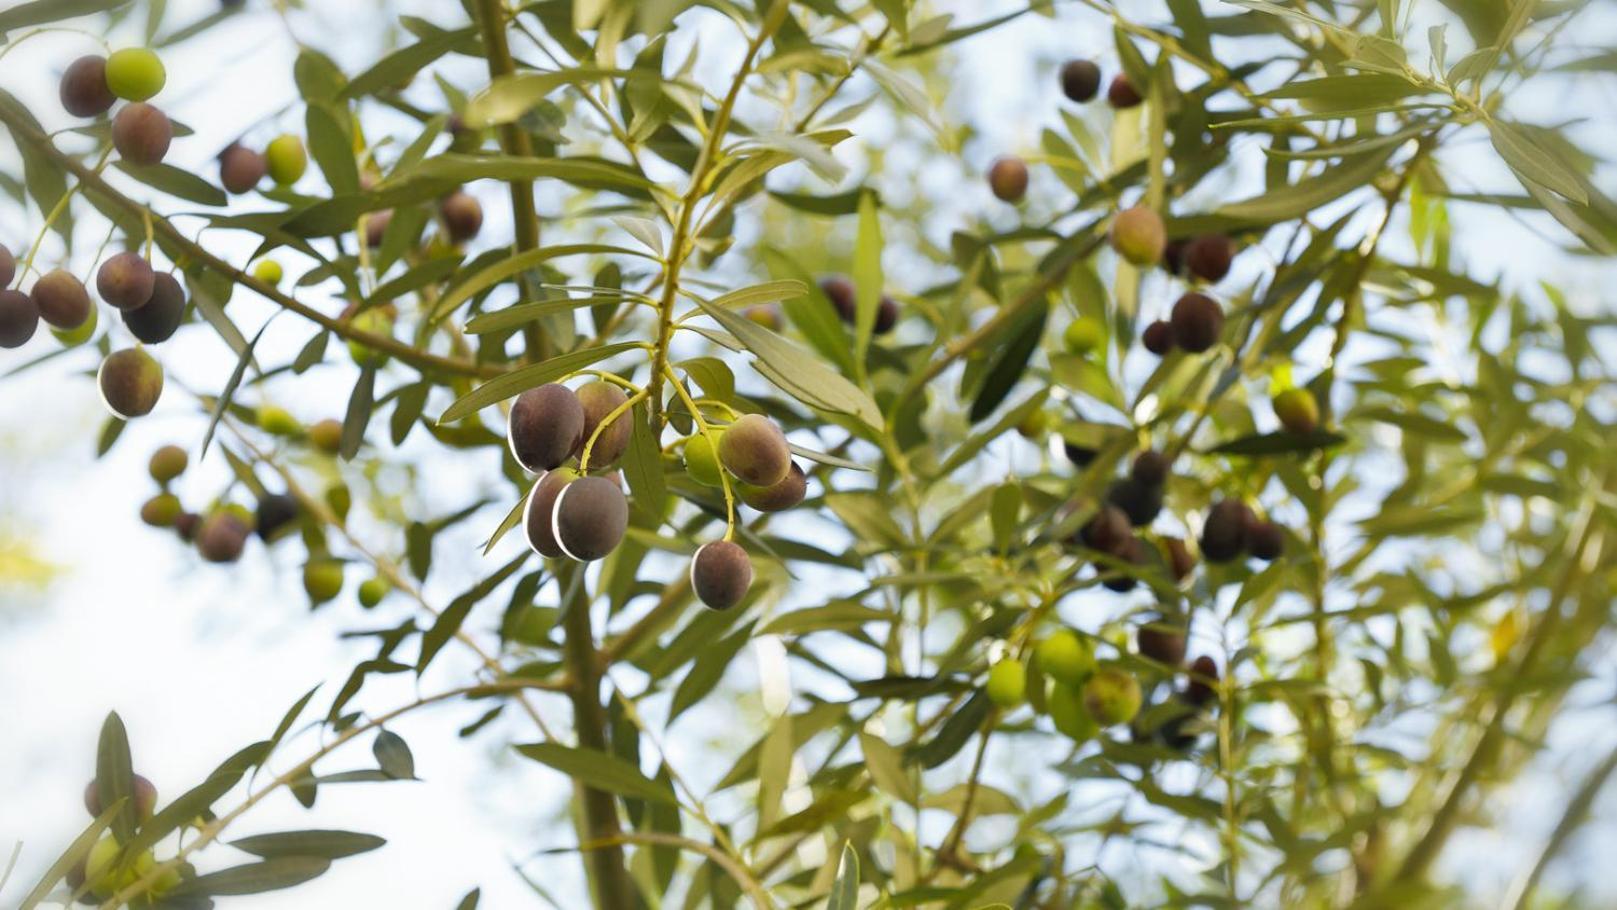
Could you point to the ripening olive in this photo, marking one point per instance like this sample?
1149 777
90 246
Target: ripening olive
701 464
241 169
8 266
376 225
763 314
84 332
1080 455
1158 337
600 399
221 537
1080 80
62 300
1139 236
1198 321
1173 256
168 463
135 74
142 134
160 318
1202 687
326 435
286 159
844 297
1265 540
1131 553
1181 562
1150 468
539 514
1107 530
1008 178
1208 257
276 513
145 797
126 281
161 511
1007 683
1112 696
186 525
546 427
755 450
1224 533
1297 410
462 215
1161 641
1066 657
131 382
778 497
1122 93
591 517
84 91
19 318
721 573
1141 502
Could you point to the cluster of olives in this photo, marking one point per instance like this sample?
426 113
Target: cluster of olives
1163 642
284 161
1084 696
844 297
1131 502
1232 530
583 516
1080 82
102 871
221 535
93 84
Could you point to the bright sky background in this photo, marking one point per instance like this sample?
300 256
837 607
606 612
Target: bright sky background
200 660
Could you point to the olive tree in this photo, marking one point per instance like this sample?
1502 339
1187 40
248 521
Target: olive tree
1165 514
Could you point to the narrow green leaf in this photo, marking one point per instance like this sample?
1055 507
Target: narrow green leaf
255 878
358 416
324 844
845 890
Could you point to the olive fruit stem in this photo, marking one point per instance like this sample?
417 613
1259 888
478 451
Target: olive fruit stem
613 415
55 213
713 440
680 244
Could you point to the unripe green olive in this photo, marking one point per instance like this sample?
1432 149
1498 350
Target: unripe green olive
1065 657
1112 696
371 591
1065 705
161 511
135 74
1007 683
1139 235
286 159
701 463
322 579
268 271
1297 410
278 421
1084 335
326 435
